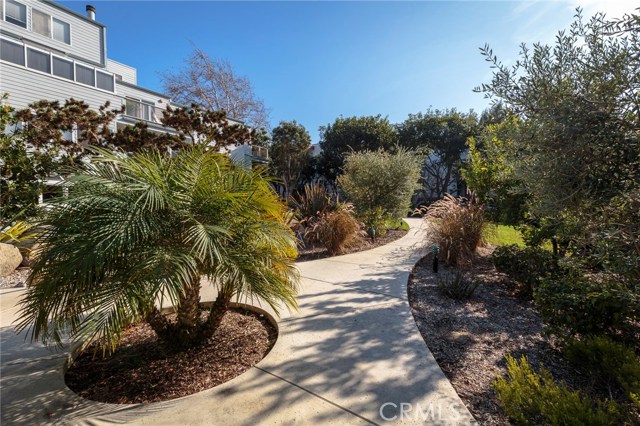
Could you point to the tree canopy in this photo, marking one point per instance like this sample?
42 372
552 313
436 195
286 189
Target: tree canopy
42 140
578 144
289 153
443 135
353 134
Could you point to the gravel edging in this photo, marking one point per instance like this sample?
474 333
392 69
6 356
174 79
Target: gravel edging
470 339
16 279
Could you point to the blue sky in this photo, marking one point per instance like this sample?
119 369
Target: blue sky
315 61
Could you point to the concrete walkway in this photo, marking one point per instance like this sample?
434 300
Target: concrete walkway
352 355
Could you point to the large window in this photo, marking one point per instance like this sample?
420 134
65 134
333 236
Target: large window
11 52
38 60
16 13
40 23
62 68
104 81
61 31
85 75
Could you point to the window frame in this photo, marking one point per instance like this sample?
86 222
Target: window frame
25 48
113 79
73 67
50 35
26 14
53 18
75 75
35 49
24 52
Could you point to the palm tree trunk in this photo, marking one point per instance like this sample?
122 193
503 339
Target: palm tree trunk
159 324
188 311
218 309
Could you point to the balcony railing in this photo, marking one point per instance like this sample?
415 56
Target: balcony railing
143 111
259 152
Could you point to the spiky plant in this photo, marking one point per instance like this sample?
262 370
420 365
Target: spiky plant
140 229
315 201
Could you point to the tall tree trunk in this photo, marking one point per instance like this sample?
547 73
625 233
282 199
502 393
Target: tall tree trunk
218 309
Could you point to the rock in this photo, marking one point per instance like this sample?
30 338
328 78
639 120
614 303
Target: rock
10 259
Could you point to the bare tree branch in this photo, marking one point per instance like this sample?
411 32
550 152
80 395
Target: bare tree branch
211 83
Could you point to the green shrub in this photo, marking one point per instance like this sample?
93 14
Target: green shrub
524 265
380 183
335 230
456 286
607 360
396 224
458 226
375 221
578 304
529 398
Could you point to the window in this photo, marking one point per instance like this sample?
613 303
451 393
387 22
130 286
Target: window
62 68
104 81
16 13
11 52
85 75
132 108
61 31
40 23
38 60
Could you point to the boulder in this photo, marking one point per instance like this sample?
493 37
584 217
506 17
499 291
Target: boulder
10 259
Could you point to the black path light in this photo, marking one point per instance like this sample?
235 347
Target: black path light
435 250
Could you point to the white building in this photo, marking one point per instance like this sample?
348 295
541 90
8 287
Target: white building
50 52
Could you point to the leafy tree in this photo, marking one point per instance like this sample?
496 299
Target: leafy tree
36 144
380 183
495 114
577 154
138 229
49 136
289 153
212 84
261 138
578 144
205 127
352 134
488 172
442 134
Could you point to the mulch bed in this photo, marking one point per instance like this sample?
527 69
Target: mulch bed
471 338
143 371
319 252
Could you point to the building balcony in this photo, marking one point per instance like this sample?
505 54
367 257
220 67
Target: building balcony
143 111
259 153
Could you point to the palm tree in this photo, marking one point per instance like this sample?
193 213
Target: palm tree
142 229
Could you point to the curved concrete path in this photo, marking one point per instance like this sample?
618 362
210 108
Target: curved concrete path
352 355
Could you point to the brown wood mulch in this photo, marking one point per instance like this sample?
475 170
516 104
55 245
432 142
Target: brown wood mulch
142 371
318 252
471 338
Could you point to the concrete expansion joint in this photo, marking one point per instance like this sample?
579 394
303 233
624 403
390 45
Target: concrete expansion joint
315 395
